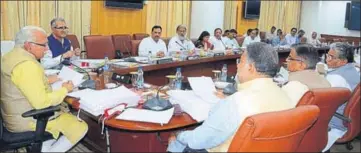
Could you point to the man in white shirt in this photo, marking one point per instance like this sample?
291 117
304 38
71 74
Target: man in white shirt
250 39
231 42
217 40
272 34
314 40
180 42
59 46
291 38
153 44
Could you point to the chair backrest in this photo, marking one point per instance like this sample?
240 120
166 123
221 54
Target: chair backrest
140 36
352 111
99 46
166 40
240 40
135 46
279 131
122 42
6 46
194 40
74 41
327 100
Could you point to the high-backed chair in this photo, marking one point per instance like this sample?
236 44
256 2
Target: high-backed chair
122 44
97 47
240 40
194 40
352 113
140 36
74 41
328 100
166 40
32 140
135 47
279 131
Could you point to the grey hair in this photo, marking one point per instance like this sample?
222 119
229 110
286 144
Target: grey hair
53 21
26 34
343 50
181 26
264 57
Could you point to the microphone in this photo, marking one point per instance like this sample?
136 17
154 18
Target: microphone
180 45
230 88
157 103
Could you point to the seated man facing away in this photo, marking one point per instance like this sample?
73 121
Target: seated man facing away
59 46
301 64
343 74
257 94
153 44
24 87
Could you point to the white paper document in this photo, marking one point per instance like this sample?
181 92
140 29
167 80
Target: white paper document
96 101
68 74
190 103
204 88
142 115
333 135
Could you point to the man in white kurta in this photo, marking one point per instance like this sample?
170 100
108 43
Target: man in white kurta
153 44
217 40
250 39
180 42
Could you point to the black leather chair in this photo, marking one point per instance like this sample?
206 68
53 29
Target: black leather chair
32 140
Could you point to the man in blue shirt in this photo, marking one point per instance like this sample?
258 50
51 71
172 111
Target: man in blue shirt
256 94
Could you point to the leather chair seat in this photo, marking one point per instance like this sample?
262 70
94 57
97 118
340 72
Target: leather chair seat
10 137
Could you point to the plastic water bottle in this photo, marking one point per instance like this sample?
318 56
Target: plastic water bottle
224 73
150 57
140 79
178 79
106 62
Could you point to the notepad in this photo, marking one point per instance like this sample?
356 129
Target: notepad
68 74
142 115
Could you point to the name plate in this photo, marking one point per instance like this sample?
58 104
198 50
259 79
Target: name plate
163 61
218 54
193 57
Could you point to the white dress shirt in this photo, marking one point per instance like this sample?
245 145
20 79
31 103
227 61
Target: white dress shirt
248 40
231 43
219 44
291 39
148 44
49 62
314 42
175 44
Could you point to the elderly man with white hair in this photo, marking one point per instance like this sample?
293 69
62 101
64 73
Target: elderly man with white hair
180 42
24 87
59 46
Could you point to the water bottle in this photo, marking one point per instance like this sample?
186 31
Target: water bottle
140 79
178 79
224 73
150 57
106 62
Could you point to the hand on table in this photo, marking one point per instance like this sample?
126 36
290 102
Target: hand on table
160 54
53 78
220 94
68 85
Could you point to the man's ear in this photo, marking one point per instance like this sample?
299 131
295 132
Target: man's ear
343 62
251 68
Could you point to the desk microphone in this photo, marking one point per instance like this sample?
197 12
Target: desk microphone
230 88
157 103
180 45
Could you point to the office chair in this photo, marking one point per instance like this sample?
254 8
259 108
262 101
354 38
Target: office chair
32 140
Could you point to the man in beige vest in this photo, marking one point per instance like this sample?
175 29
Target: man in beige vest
24 87
257 93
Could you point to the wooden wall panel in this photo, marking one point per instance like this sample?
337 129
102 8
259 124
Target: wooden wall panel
107 21
244 24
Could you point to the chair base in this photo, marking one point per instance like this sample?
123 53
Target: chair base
349 145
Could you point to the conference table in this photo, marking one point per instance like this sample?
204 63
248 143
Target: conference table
132 136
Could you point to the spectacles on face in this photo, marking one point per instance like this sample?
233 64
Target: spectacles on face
62 28
289 58
331 57
42 45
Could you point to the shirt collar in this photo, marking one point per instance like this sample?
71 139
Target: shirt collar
258 83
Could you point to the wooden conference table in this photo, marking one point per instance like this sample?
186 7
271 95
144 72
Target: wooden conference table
131 136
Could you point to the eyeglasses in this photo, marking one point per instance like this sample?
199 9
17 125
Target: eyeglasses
332 57
43 45
289 58
62 28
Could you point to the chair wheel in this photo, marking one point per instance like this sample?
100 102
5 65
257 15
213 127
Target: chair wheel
349 146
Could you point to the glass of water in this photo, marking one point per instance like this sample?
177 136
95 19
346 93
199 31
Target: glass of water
217 74
134 78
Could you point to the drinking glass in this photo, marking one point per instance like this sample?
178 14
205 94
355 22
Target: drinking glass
134 78
216 75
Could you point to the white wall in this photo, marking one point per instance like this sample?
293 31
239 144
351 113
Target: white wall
325 17
206 16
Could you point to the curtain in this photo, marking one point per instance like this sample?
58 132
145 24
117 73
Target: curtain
17 14
168 14
230 15
283 14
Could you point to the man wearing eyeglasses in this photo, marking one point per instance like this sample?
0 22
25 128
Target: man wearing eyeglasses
342 74
60 47
24 87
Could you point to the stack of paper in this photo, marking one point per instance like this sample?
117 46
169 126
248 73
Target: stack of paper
204 88
68 74
96 101
142 115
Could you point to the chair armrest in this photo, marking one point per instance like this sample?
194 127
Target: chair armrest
45 112
340 116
